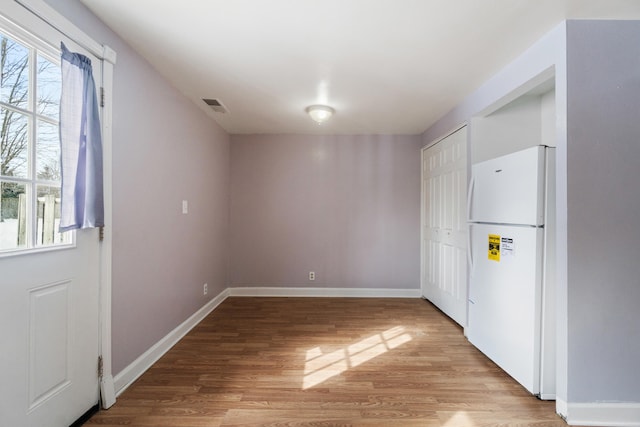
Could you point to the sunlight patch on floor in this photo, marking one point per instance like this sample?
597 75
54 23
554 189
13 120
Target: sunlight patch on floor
320 366
460 419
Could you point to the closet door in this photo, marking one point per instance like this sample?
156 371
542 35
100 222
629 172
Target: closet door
444 228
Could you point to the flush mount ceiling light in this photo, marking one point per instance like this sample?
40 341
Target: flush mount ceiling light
319 113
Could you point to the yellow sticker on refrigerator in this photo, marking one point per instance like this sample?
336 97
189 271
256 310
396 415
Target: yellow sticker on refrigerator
494 247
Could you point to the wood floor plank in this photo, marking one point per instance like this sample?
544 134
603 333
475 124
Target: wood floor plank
326 362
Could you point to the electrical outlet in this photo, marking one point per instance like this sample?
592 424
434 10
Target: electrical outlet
312 275
205 289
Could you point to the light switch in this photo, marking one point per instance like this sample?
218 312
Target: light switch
185 207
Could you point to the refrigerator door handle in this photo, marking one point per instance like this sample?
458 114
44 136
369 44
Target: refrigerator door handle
470 197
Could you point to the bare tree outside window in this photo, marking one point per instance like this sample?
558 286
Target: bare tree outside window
14 85
48 139
29 145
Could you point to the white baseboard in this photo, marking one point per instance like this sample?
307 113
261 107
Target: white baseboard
603 414
107 392
561 408
131 373
323 292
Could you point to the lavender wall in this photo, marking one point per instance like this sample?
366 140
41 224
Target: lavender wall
165 150
603 203
346 207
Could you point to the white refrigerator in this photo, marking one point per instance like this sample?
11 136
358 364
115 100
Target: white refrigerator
511 306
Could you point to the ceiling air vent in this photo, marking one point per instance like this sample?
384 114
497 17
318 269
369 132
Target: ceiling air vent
216 105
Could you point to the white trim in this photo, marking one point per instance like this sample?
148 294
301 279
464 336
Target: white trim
109 55
132 372
561 408
433 142
107 387
603 414
13 252
323 292
51 16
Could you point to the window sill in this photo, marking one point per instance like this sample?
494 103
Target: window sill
9 253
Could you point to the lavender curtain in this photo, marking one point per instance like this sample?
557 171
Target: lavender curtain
82 203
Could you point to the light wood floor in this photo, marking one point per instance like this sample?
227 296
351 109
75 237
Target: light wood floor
326 362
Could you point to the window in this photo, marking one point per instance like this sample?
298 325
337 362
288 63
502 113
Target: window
30 178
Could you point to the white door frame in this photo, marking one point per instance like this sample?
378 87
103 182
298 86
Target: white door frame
108 60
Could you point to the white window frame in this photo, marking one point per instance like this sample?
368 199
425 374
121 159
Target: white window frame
37 47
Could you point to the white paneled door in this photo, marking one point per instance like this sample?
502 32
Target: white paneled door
49 328
444 225
49 298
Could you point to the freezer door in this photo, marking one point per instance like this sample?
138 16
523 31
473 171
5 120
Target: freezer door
509 189
505 298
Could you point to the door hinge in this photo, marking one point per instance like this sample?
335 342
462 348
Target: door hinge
102 97
100 370
101 234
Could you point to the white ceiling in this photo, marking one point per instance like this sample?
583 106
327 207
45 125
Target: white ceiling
386 66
